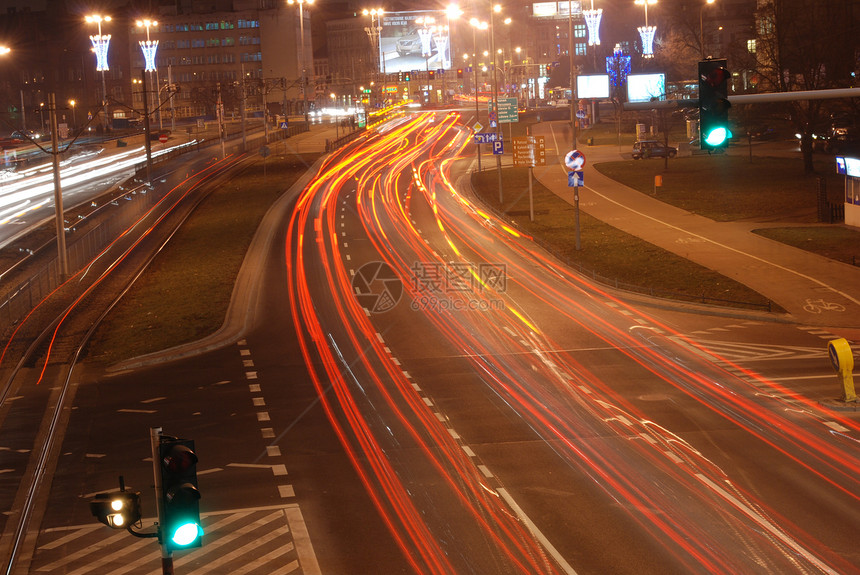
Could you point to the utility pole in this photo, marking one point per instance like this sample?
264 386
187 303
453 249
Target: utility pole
58 190
147 137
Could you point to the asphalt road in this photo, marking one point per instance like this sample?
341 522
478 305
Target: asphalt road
425 391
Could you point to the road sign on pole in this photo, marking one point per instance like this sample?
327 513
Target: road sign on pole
574 160
486 137
529 151
498 147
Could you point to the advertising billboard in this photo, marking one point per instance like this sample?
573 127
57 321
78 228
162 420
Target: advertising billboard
594 86
415 41
556 9
646 87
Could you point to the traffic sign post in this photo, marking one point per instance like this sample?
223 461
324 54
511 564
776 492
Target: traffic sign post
498 147
574 160
486 137
530 151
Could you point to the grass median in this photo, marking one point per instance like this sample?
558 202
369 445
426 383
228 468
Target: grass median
613 256
184 294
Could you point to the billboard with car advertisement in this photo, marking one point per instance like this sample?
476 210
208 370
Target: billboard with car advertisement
415 41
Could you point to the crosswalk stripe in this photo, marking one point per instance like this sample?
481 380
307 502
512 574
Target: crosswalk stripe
244 550
97 550
70 537
212 547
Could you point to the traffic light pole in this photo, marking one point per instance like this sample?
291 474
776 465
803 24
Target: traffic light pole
166 554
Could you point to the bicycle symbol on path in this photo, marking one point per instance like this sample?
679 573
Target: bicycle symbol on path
819 305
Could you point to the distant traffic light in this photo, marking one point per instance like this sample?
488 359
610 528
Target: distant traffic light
180 497
117 509
407 77
459 72
431 74
714 104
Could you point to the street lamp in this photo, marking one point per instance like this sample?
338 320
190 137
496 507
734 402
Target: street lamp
646 33
4 50
301 4
702 25
476 25
373 31
72 103
497 8
149 48
100 46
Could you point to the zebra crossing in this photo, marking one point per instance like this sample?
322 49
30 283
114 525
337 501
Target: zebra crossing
264 540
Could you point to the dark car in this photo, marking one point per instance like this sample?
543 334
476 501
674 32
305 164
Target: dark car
26 135
652 149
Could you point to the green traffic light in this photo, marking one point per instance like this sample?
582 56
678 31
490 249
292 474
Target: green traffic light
186 534
717 136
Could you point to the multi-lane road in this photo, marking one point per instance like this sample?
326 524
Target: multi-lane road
420 389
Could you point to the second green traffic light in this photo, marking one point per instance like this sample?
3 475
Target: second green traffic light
714 133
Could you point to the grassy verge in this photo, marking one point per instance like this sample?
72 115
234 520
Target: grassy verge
835 242
729 188
618 257
185 293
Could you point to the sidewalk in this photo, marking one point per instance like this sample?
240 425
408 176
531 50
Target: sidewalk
815 290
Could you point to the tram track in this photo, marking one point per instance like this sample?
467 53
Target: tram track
40 361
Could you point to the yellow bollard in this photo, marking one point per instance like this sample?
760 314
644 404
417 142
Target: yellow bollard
843 362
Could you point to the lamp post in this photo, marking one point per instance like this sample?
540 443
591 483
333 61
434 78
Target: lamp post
702 26
476 25
73 103
149 48
646 33
100 45
495 10
373 32
301 4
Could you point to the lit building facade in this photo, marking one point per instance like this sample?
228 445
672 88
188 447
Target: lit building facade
224 54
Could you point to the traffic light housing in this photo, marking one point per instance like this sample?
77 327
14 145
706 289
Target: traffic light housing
459 72
714 104
431 74
407 77
117 509
180 496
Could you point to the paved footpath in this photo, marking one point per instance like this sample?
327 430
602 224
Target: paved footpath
813 289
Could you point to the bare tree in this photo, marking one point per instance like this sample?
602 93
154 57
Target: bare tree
804 45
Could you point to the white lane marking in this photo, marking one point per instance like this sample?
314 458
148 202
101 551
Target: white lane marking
565 566
767 525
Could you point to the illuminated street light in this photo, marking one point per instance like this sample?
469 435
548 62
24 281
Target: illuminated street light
100 46
476 25
646 32
4 50
301 4
373 32
702 26
148 47
592 22
73 103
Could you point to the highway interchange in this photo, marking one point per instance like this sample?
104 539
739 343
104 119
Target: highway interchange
420 389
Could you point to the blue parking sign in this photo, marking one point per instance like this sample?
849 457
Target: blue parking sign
498 147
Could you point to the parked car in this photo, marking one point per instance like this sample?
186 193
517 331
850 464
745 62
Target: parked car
652 149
